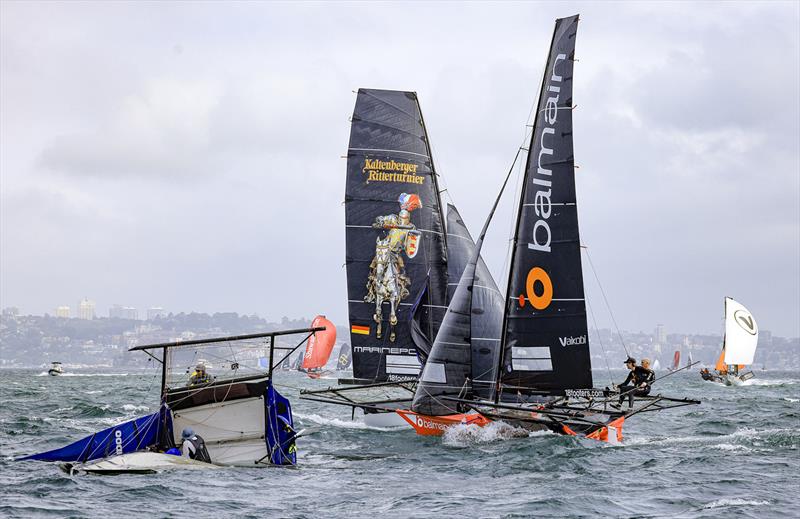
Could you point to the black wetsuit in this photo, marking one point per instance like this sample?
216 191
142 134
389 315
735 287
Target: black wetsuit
636 377
197 448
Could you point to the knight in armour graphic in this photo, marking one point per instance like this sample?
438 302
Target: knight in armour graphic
387 279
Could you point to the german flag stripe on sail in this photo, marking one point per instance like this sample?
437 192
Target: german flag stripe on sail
361 330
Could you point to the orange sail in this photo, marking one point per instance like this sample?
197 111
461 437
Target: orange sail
721 366
320 344
676 361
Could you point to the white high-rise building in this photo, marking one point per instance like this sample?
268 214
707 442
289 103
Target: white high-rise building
63 311
86 309
661 335
155 312
123 312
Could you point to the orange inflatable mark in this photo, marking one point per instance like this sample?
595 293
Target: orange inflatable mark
320 344
436 425
602 433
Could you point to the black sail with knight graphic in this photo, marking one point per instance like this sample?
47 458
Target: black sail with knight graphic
395 244
545 337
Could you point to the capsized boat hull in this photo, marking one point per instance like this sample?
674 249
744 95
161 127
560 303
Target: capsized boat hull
137 463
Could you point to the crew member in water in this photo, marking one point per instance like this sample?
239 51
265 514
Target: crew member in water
194 446
200 375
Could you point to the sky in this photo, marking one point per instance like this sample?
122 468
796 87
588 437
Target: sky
189 155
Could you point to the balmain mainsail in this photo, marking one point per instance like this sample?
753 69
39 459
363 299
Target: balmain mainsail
543 376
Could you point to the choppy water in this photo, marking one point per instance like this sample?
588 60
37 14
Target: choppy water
736 455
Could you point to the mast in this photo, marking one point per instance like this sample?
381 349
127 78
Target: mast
520 205
450 367
434 174
545 334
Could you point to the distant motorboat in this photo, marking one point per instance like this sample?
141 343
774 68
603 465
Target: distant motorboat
55 369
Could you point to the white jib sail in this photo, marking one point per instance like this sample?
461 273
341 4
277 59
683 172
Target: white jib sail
741 333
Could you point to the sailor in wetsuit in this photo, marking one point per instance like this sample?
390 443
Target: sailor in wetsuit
638 381
194 446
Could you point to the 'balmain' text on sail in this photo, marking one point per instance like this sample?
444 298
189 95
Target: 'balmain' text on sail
542 204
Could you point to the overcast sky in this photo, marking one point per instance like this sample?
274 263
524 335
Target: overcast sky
189 155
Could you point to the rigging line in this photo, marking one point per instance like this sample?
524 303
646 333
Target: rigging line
610 311
600 338
518 187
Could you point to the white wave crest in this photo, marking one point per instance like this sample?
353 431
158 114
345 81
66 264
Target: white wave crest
792 400
719 503
46 374
769 382
132 408
344 424
742 433
462 435
731 447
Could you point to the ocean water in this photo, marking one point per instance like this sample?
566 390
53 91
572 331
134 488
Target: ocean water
736 455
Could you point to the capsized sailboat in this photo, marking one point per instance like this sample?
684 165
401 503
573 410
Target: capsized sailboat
543 379
243 419
738 346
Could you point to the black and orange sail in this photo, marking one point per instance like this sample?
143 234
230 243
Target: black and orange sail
545 337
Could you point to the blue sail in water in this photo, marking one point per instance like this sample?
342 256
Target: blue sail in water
127 437
280 429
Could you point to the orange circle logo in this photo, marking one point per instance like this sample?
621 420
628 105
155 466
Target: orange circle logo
539 301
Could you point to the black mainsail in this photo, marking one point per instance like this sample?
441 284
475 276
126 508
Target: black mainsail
545 339
395 243
465 353
487 305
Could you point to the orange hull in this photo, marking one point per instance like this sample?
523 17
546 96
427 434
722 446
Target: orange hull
436 425
612 433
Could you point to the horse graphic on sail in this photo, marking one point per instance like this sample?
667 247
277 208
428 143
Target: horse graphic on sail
387 280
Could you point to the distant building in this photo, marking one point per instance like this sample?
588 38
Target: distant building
86 309
661 334
63 311
11 311
155 312
123 312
